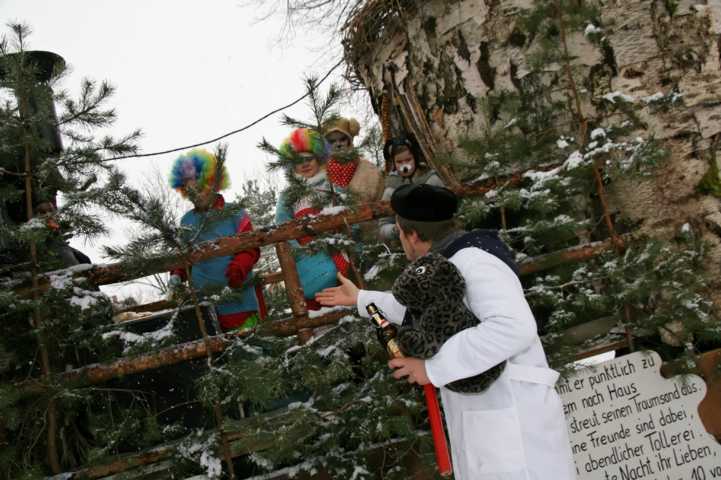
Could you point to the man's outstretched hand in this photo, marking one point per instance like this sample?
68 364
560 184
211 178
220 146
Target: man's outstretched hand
413 369
346 294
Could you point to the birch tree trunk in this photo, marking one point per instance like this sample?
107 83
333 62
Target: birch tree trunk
442 58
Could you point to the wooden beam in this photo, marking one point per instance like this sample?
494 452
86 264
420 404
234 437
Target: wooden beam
125 271
573 254
265 279
102 372
253 430
120 272
599 349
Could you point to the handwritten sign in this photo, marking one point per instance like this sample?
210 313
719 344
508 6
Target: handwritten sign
627 422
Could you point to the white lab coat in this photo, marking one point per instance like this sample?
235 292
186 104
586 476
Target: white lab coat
515 430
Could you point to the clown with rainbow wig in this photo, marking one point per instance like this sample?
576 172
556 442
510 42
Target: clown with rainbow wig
199 176
305 152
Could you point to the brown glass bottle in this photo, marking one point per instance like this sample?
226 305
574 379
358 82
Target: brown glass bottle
385 331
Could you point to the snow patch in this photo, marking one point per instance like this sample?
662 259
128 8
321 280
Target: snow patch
372 273
598 133
653 98
358 472
592 29
574 160
35 223
328 351
333 210
83 298
128 338
613 96
201 451
323 311
539 176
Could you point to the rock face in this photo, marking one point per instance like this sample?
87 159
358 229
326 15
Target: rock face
440 61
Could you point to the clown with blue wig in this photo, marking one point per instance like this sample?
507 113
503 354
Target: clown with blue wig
199 176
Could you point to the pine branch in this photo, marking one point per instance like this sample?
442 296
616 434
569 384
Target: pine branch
86 111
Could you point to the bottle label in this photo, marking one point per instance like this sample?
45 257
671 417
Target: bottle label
393 349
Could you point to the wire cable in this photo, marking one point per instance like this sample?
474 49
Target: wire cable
225 135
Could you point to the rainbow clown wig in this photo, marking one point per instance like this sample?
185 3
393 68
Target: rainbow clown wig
199 165
303 142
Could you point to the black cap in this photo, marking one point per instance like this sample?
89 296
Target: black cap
424 203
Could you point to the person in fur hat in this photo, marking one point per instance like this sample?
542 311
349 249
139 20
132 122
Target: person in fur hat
305 153
197 176
346 169
405 165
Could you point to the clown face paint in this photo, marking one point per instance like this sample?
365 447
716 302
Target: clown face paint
308 168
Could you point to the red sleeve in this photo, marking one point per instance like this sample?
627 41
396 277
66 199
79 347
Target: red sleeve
242 263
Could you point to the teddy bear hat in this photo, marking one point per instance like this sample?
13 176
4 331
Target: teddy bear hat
424 203
347 126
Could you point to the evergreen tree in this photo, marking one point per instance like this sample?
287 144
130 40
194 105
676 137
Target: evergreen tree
51 323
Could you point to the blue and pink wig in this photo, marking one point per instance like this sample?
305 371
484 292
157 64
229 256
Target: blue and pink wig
303 142
199 165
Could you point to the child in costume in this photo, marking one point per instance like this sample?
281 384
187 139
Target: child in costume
404 166
346 169
305 152
197 176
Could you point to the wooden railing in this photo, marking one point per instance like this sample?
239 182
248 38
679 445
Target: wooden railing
299 324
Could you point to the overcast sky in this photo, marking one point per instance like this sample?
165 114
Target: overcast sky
185 71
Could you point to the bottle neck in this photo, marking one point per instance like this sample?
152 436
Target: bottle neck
379 320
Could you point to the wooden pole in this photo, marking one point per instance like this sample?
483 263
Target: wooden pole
294 290
102 372
126 271
254 429
265 279
35 321
122 271
574 254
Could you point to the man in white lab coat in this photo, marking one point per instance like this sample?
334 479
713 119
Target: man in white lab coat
515 429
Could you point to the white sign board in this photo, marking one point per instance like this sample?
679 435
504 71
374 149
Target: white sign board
627 422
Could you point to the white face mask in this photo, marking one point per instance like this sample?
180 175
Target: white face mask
405 169
405 163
